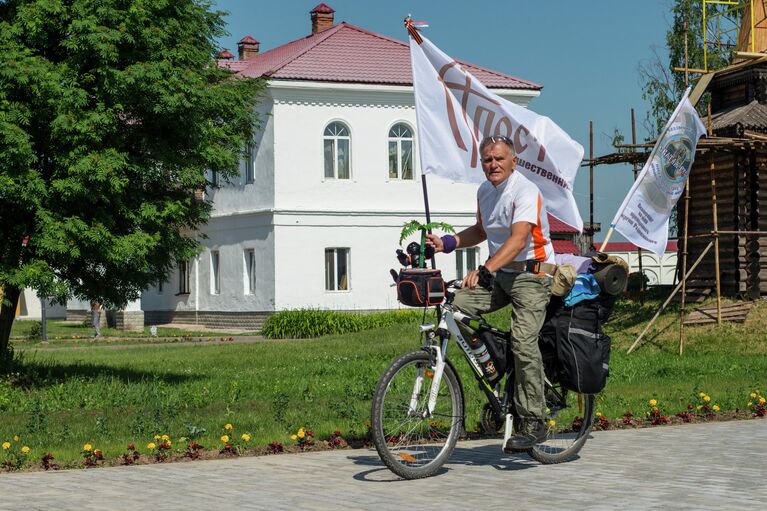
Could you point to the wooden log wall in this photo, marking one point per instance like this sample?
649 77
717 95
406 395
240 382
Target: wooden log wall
760 221
741 185
701 222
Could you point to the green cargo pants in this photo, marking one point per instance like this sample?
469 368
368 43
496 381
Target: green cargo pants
528 295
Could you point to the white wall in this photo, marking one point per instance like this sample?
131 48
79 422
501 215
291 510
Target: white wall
31 308
292 213
658 270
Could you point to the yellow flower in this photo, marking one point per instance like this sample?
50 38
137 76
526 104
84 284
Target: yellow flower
301 433
6 445
552 423
168 442
25 449
15 438
653 402
228 427
715 408
706 398
750 404
702 394
165 437
225 438
293 437
753 395
599 414
699 407
87 447
762 400
245 437
150 446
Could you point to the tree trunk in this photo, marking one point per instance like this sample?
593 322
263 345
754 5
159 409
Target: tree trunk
10 299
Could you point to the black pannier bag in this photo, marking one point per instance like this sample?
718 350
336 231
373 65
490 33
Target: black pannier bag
582 349
420 287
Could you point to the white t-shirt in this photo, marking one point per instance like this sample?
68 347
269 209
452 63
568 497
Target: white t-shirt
515 200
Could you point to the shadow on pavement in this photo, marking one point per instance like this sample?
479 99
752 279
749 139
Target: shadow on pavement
484 455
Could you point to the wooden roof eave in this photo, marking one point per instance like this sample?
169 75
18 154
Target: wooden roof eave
752 140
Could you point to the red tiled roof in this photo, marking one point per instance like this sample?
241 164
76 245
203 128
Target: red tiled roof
565 247
225 54
248 39
322 8
559 227
350 54
625 246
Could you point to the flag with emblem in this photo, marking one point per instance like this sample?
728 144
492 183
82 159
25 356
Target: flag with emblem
455 112
644 215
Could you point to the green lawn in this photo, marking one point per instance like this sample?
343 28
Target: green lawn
63 399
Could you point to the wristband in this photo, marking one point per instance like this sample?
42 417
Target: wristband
449 243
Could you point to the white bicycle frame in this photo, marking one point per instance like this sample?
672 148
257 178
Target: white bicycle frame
447 323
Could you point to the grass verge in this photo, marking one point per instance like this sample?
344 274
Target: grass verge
61 400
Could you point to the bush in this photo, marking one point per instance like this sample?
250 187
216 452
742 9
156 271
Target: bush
35 331
303 323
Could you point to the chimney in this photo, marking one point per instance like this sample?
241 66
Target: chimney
225 54
322 18
247 47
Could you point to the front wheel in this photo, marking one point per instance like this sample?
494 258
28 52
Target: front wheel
411 440
569 419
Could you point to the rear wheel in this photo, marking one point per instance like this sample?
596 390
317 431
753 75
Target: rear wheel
412 441
569 419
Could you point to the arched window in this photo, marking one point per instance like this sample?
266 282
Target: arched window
400 152
337 146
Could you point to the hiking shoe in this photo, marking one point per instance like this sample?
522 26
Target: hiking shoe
532 432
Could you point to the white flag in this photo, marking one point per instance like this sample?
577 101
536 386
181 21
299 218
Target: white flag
643 216
455 112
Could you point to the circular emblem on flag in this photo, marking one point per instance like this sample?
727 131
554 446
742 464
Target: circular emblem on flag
675 159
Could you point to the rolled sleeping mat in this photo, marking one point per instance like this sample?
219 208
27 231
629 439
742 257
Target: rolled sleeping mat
612 278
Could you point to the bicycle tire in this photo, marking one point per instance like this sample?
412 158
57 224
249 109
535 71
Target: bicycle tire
565 440
411 445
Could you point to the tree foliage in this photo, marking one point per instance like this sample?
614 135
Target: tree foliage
663 86
110 112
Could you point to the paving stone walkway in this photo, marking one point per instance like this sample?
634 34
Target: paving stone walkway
718 466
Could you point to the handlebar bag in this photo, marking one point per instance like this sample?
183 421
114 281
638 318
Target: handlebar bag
420 287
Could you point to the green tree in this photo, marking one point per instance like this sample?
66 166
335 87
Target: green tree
663 86
110 113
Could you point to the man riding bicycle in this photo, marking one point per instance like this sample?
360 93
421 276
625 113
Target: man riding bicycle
512 217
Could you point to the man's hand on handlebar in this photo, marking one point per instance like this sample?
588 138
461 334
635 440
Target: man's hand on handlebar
436 242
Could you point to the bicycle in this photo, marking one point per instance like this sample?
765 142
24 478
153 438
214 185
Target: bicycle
417 413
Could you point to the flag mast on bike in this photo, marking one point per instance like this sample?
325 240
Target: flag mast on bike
454 111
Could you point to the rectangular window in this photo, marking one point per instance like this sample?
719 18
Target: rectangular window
250 272
215 273
250 164
407 159
183 278
330 156
465 261
336 269
343 158
215 181
159 286
393 171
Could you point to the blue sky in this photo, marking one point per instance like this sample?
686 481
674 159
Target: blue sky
585 53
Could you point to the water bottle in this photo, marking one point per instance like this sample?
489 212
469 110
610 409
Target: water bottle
483 357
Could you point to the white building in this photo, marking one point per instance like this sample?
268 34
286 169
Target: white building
314 218
658 270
